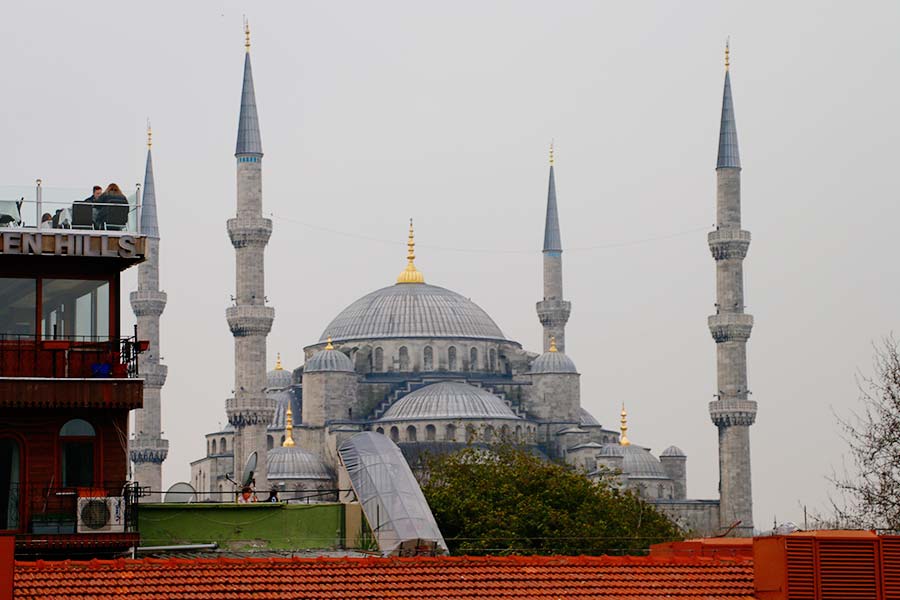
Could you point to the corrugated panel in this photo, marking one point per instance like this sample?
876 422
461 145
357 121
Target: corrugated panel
801 567
890 567
848 570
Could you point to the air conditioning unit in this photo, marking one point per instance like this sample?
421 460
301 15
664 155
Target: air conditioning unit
101 515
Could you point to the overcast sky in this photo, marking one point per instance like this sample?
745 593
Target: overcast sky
375 112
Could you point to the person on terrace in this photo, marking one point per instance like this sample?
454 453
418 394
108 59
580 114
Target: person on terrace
111 195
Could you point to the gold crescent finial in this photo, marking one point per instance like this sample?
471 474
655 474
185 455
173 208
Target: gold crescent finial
411 274
278 366
551 153
727 52
246 34
623 439
328 346
288 427
553 344
149 134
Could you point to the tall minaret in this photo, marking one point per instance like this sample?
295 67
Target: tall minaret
553 311
732 412
250 320
147 448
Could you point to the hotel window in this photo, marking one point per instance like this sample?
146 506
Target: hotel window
77 453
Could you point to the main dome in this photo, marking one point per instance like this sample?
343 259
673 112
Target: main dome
407 310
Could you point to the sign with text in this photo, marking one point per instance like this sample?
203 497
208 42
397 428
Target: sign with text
71 244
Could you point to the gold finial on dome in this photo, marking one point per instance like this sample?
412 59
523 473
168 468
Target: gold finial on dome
149 135
551 153
288 428
278 366
727 52
328 346
411 274
247 34
623 439
553 344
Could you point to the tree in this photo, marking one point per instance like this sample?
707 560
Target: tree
507 500
869 492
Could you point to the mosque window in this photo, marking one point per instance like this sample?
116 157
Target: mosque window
489 434
450 433
380 430
411 434
213 451
223 447
430 433
493 360
518 433
451 358
473 359
404 358
659 491
379 360
428 358
471 436
504 433
395 434
282 440
270 442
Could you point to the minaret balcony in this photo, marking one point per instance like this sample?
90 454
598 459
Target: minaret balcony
732 411
250 320
144 449
730 327
249 231
153 374
728 243
553 312
249 410
148 303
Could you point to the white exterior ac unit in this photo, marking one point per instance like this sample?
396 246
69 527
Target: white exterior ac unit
101 515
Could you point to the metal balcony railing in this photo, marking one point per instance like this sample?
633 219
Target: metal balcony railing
69 357
48 510
25 206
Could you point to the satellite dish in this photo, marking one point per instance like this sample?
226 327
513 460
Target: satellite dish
180 493
247 477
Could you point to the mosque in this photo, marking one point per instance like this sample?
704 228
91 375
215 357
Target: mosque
433 371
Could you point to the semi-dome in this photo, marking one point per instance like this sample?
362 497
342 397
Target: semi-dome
328 360
673 451
405 310
553 362
295 463
449 400
640 464
586 418
278 377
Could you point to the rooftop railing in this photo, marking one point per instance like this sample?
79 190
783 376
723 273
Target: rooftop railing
82 357
69 208
55 510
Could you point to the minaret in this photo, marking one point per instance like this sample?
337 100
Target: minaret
147 448
553 311
250 320
732 412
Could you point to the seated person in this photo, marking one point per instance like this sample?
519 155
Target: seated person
46 221
94 197
111 195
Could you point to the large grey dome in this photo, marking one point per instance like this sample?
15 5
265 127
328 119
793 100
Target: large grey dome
639 463
412 310
449 400
553 362
295 463
328 360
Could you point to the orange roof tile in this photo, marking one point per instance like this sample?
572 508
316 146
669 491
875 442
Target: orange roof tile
484 578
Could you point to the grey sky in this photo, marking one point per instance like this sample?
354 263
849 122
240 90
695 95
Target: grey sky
375 112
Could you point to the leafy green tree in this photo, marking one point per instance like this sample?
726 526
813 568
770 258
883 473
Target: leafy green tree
507 500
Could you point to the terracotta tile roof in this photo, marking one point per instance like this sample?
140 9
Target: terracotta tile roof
484 578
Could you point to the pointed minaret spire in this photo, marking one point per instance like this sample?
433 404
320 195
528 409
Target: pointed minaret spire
249 141
728 141
149 224
553 311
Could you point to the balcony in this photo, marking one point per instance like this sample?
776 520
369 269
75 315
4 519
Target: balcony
50 519
25 206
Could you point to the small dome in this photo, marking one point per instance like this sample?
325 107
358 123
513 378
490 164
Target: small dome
586 418
612 450
296 463
638 463
278 378
449 400
673 451
553 362
328 360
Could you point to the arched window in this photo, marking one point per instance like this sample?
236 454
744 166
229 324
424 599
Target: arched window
380 430
223 447
659 491
411 433
282 440
471 435
379 360
451 358
270 442
213 447
430 433
450 433
395 435
404 358
10 463
489 434
504 433
518 433
493 359
428 359
473 359
77 453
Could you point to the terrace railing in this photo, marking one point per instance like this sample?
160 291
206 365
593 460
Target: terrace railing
70 357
